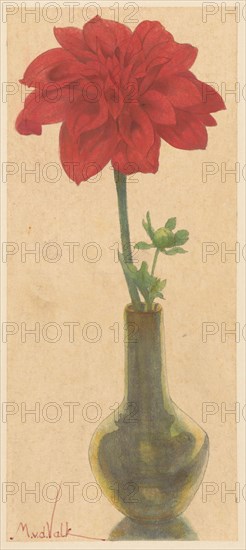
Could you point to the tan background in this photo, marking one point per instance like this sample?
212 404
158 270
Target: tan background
85 292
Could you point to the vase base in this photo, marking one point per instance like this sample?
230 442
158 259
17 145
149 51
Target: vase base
175 529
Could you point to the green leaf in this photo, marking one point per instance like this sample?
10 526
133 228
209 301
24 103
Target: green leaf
148 218
171 223
162 284
148 227
149 286
143 246
175 250
144 279
181 237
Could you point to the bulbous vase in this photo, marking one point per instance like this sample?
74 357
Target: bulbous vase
148 456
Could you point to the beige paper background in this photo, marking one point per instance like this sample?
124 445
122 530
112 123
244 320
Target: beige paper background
86 292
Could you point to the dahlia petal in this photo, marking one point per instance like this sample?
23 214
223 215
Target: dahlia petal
113 67
139 69
96 32
158 107
120 160
27 126
149 80
55 65
180 58
157 62
134 48
181 91
130 92
148 35
189 132
208 120
129 161
106 34
135 68
114 97
136 128
157 56
211 100
158 76
152 33
72 40
122 33
85 157
86 115
146 163
92 69
47 105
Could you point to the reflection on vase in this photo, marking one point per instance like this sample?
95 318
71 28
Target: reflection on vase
176 529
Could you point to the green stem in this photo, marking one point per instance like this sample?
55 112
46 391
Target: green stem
154 261
120 181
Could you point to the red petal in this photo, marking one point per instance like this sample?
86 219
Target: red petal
182 92
136 128
45 106
156 56
157 35
181 57
105 33
149 80
211 101
84 158
143 44
86 115
55 65
146 164
158 107
122 33
152 33
133 49
189 132
71 39
114 98
129 161
25 126
120 160
208 120
147 50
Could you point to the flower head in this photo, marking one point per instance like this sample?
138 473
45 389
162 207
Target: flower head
117 93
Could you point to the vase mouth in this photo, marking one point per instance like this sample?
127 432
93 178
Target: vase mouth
157 309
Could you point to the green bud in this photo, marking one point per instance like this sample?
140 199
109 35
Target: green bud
163 238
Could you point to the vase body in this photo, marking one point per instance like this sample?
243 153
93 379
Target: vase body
148 456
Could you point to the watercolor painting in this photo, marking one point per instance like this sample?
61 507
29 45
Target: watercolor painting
119 94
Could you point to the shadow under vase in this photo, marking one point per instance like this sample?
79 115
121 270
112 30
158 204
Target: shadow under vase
175 529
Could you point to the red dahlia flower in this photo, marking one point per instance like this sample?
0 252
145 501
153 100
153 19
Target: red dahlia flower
117 92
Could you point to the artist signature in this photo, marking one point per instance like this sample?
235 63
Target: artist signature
49 529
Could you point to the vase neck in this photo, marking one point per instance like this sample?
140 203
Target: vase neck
146 382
